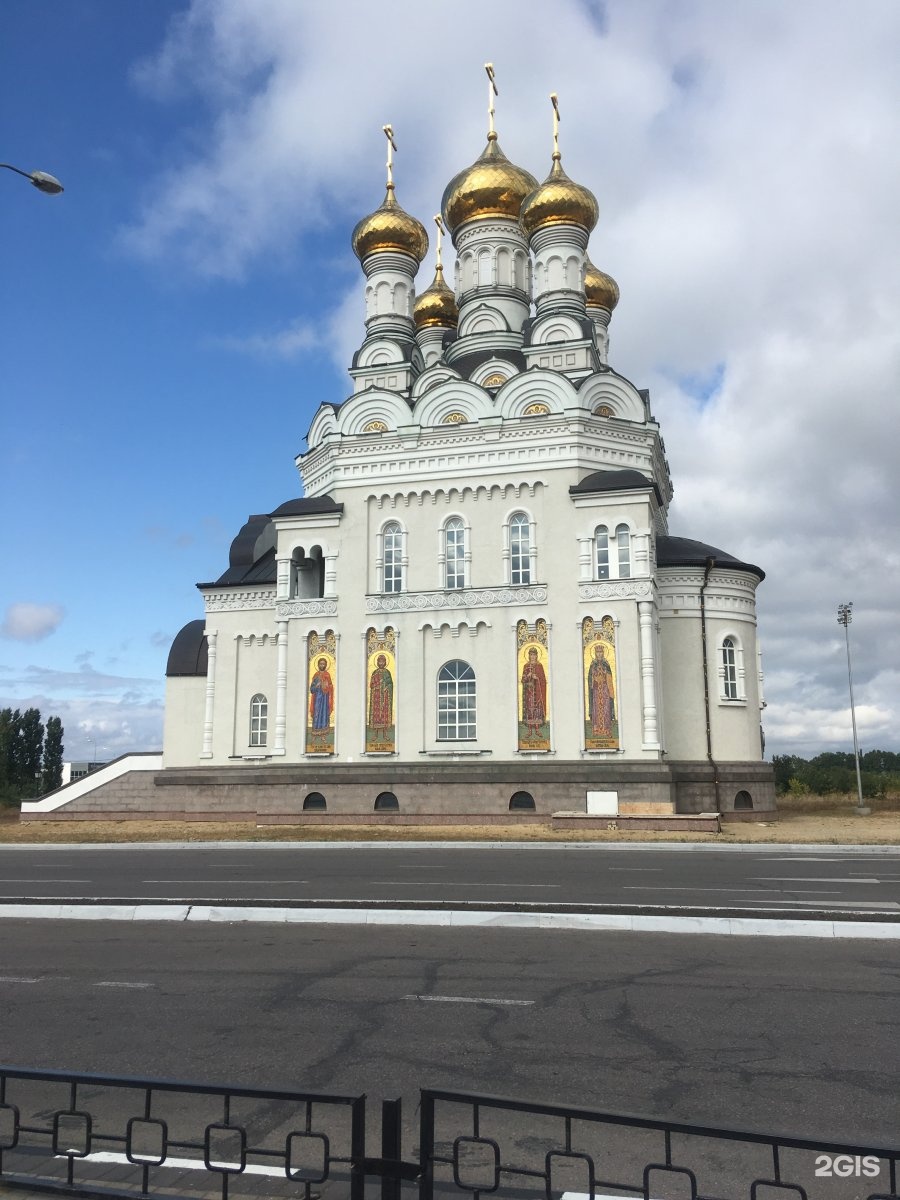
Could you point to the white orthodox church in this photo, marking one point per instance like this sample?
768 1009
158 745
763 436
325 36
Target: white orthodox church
476 606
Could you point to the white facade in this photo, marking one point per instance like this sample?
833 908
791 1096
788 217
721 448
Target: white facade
488 468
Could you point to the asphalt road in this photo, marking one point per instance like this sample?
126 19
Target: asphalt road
767 1033
833 878
782 1035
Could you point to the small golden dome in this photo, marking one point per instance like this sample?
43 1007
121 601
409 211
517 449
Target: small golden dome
491 187
390 228
600 289
559 201
436 305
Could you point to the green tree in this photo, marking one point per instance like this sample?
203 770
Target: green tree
53 755
31 743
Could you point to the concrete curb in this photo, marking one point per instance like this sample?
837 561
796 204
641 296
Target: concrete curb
754 924
623 847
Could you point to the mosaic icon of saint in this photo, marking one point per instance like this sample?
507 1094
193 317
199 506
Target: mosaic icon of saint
321 700
381 696
601 694
534 695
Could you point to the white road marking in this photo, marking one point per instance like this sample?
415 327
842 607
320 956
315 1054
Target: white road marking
426 882
19 979
113 983
467 1000
873 905
44 879
634 868
232 881
181 1164
808 879
637 887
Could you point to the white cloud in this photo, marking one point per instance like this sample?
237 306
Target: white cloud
31 622
288 343
744 158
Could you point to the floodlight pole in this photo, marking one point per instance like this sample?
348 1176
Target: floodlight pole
48 184
845 616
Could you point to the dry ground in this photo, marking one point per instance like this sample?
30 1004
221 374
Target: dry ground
823 819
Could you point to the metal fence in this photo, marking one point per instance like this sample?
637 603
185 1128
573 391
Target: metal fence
95 1135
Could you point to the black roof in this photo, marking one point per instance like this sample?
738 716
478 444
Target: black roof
189 650
307 506
626 480
685 552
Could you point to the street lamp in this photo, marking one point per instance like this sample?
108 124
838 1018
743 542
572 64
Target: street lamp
41 180
845 616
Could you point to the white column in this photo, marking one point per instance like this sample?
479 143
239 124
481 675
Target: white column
648 676
330 588
585 554
284 579
211 636
281 687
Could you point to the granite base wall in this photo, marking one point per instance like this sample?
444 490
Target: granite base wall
426 793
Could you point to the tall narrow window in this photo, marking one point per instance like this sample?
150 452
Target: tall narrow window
393 558
259 720
454 553
729 670
456 702
520 549
601 547
623 545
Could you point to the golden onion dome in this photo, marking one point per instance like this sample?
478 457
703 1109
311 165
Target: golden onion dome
559 201
600 289
390 228
436 306
491 187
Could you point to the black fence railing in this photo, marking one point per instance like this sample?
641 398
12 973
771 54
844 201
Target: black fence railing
93 1135
97 1134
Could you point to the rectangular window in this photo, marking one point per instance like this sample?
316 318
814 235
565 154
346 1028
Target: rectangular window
519 551
729 670
393 559
455 552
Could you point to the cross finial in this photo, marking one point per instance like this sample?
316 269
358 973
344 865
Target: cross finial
440 237
388 131
554 100
492 92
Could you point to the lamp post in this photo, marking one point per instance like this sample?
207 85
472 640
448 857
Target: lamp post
48 184
845 616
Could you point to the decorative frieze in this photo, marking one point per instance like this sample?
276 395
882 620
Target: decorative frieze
232 601
502 597
305 608
622 589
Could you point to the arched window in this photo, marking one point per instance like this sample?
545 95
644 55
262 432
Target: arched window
392 570
259 720
456 702
386 802
519 549
454 553
314 802
521 802
611 565
729 669
485 272
743 800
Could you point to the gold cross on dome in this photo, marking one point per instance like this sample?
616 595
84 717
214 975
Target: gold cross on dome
388 131
440 237
492 92
554 100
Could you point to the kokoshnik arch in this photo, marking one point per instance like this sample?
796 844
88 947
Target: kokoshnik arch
476 606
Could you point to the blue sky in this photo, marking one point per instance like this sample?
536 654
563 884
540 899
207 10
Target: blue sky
172 321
